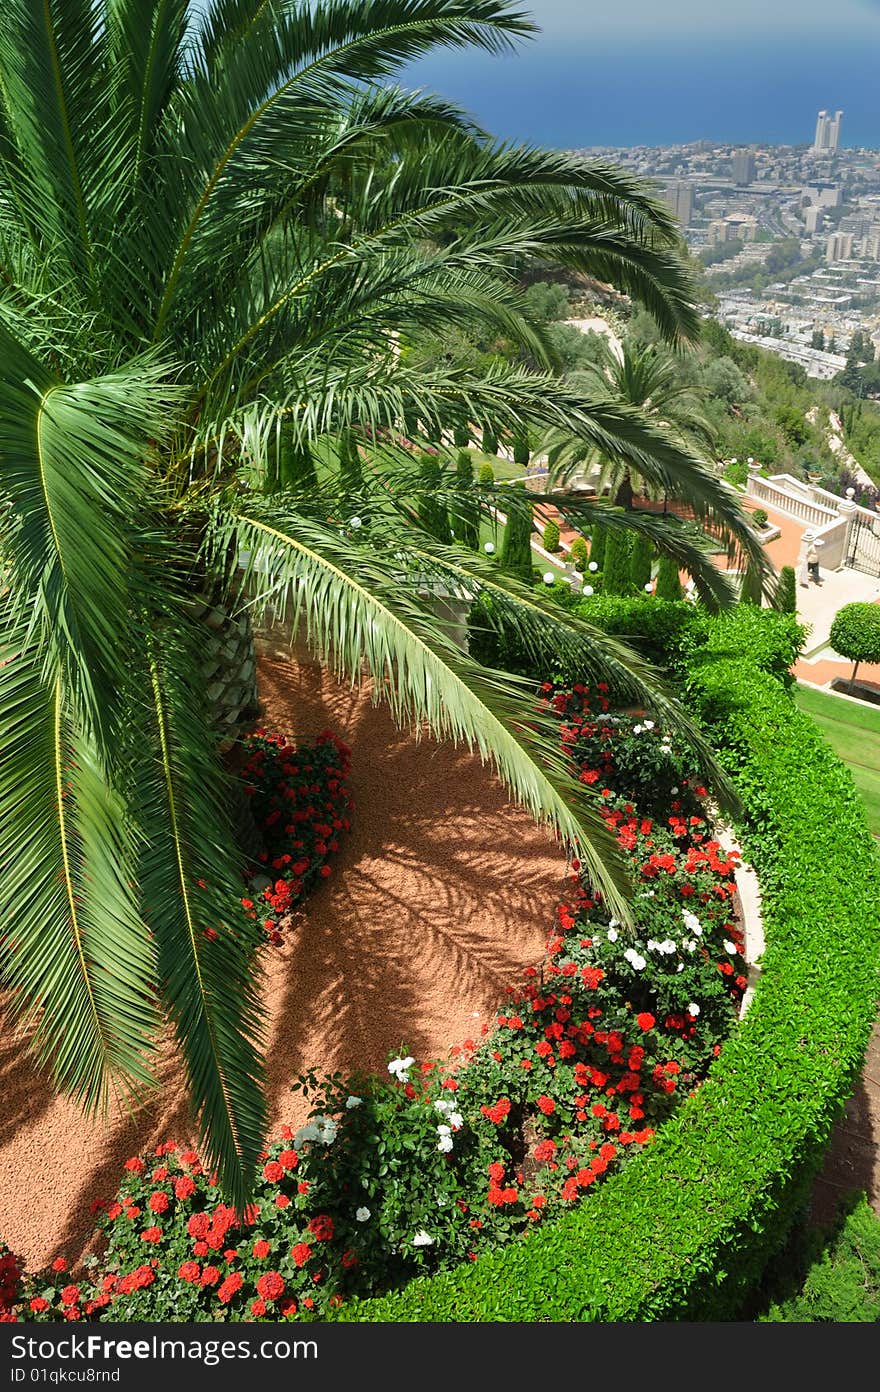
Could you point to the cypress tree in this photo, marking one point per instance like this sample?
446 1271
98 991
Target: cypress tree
786 594
461 434
551 536
750 588
597 545
296 467
516 552
485 474
489 444
467 512
616 571
520 448
640 562
668 583
432 513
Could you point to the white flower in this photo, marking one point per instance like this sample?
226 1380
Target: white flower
693 1010
614 923
352 1102
649 724
444 1130
442 1200
637 729
680 967
444 1145
327 1128
305 1133
400 1068
456 1120
689 944
667 947
673 790
729 946
653 946
362 1215
612 935
635 959
691 922
442 1105
423 1239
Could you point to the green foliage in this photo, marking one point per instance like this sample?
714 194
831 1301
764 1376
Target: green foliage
547 301
433 514
855 634
598 541
516 550
759 517
668 584
689 1230
350 467
765 639
461 434
841 1283
786 594
486 474
467 510
520 448
656 628
579 554
551 536
641 562
489 442
616 565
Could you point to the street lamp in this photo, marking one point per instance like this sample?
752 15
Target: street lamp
489 548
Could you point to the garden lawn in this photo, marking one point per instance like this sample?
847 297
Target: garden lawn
854 734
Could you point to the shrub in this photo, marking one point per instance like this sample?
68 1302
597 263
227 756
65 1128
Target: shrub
656 628
842 1284
461 434
855 634
616 564
551 536
485 474
668 584
467 511
763 638
516 550
640 562
432 512
579 554
759 518
786 594
598 541
685 1231
489 443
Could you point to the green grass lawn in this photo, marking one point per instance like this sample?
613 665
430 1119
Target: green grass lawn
854 734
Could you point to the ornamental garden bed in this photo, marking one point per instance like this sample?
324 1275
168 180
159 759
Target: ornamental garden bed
440 1162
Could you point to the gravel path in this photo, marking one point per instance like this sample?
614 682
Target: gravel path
440 896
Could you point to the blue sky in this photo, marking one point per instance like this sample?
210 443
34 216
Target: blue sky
658 71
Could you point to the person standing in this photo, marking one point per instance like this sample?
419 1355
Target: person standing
813 562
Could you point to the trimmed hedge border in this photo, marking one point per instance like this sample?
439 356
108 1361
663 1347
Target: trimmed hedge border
687 1228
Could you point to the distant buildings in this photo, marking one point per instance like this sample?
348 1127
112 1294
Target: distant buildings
735 227
743 167
839 247
813 219
680 197
827 136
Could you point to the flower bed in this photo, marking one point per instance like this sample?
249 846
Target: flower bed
300 804
440 1164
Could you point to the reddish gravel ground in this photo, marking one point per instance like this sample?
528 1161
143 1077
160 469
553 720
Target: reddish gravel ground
440 896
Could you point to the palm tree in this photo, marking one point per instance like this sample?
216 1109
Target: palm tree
217 229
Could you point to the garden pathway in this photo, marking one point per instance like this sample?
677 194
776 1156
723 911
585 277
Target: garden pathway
440 896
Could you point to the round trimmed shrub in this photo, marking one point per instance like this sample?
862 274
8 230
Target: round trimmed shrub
579 554
551 536
485 474
855 634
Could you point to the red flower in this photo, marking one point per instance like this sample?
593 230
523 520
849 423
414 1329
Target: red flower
38 1305
289 1159
189 1271
158 1202
151 1235
135 1165
261 1248
349 1259
645 1020
233 1283
498 1111
545 1150
546 1104
70 1295
271 1285
184 1187
273 1172
321 1227
301 1251
258 1308
282 1200
496 1171
210 1276
59 1264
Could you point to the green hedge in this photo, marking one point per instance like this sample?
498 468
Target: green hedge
687 1229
